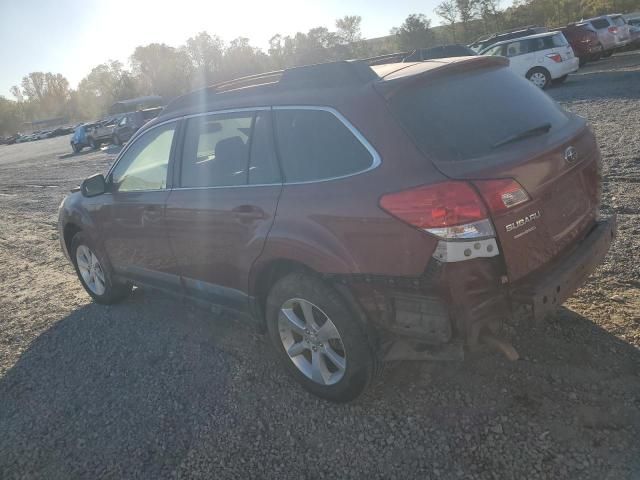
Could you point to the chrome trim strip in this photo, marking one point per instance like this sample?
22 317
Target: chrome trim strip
376 160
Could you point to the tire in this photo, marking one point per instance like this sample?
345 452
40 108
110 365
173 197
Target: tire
335 332
116 140
76 148
539 76
607 54
561 79
104 288
93 144
582 61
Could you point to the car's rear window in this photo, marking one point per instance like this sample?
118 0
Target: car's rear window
463 116
600 23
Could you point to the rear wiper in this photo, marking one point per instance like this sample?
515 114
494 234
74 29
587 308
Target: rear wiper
532 132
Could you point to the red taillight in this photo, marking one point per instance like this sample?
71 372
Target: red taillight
613 30
502 194
440 205
556 57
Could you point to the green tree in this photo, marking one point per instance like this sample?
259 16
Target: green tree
448 11
162 70
104 85
414 33
206 54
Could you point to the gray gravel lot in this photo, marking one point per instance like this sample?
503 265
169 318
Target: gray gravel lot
153 388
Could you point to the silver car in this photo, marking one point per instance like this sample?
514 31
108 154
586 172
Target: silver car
612 30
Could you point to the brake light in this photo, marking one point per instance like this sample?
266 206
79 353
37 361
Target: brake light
613 30
449 210
502 194
556 57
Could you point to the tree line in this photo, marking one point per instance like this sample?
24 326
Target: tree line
204 59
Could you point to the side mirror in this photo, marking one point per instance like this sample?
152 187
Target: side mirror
93 186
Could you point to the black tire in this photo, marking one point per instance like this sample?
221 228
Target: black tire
582 61
93 144
114 291
362 363
116 140
607 53
560 80
535 73
76 148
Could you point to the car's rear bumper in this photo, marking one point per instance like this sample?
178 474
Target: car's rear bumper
546 290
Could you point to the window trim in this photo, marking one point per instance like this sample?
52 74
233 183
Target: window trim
139 134
376 159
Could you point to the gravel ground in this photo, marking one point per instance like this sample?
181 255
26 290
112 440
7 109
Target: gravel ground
154 389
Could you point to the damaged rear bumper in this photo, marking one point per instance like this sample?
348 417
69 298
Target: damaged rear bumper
544 291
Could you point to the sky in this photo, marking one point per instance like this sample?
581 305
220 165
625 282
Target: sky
71 37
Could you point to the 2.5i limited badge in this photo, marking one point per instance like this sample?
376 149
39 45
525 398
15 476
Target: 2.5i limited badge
521 222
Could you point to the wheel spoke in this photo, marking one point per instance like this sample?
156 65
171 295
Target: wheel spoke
328 331
297 349
307 311
335 358
294 322
319 372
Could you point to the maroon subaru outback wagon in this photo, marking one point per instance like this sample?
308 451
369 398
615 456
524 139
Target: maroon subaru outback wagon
361 214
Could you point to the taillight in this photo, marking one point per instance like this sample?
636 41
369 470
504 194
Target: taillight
613 30
556 57
449 210
502 194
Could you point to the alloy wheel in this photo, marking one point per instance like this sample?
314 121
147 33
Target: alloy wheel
90 270
312 341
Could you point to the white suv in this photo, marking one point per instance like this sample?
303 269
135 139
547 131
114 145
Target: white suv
541 58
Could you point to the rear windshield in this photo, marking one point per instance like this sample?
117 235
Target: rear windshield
463 116
600 23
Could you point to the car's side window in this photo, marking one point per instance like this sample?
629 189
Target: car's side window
316 145
494 51
145 163
216 150
263 165
516 48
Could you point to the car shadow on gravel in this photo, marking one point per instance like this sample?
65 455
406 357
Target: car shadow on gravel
118 390
152 387
598 85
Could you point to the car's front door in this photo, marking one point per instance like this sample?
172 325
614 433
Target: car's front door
220 214
132 218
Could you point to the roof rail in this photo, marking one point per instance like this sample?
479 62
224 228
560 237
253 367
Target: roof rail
322 75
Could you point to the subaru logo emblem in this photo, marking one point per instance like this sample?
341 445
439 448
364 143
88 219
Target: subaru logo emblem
571 154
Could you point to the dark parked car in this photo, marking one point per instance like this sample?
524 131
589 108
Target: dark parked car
131 122
441 51
583 38
481 45
359 214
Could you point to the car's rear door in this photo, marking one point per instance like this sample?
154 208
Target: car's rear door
218 217
488 124
132 216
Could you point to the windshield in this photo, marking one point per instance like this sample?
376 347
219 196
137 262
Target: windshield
465 116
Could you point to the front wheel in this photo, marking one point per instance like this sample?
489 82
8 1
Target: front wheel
540 77
76 148
95 273
318 339
116 140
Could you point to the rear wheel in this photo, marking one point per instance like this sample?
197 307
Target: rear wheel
93 144
76 148
95 273
539 76
318 339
